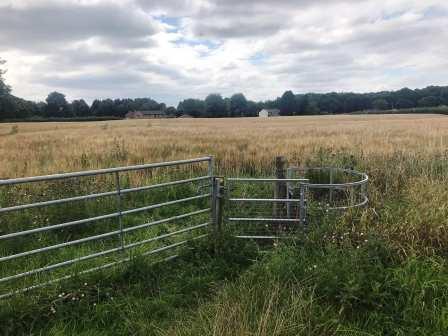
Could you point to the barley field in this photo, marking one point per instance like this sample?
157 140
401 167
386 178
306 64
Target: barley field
380 270
29 149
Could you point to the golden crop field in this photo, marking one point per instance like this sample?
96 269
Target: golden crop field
30 149
346 267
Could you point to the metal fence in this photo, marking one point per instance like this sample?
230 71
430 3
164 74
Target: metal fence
331 188
254 211
32 251
274 208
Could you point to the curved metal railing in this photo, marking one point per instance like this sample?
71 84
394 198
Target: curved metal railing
358 180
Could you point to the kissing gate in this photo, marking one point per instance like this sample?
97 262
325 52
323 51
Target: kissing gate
58 226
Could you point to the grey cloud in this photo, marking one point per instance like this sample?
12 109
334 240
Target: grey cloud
163 70
51 24
80 58
94 81
234 18
247 18
173 7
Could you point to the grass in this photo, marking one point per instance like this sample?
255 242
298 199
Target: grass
379 271
327 290
140 298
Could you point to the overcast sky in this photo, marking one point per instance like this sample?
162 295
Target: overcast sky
175 49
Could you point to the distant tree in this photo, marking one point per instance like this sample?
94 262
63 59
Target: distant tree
287 104
7 105
380 104
312 107
193 107
40 109
404 103
80 108
4 89
57 105
405 97
430 101
253 109
227 104
238 105
215 106
352 102
171 111
444 95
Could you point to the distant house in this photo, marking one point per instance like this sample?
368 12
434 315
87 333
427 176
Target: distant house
265 113
146 115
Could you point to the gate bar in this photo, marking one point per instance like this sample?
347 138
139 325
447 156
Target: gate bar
262 220
105 266
101 171
98 254
244 179
108 193
100 236
93 219
285 200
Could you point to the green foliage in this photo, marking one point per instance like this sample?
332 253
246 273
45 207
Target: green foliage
4 89
312 290
238 105
57 105
288 104
192 107
380 104
80 108
430 101
215 105
141 298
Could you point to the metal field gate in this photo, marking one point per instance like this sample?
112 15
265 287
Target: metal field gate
273 208
256 208
57 226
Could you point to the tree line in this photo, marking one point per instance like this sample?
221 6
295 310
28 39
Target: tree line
215 105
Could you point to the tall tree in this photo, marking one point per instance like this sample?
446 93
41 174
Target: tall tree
4 89
80 108
380 104
57 105
192 107
430 101
171 111
8 105
238 105
215 106
287 104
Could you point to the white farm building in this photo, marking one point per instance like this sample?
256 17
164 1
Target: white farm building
265 113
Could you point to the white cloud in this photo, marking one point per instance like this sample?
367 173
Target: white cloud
174 49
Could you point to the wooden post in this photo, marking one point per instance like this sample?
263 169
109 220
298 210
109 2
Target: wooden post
280 188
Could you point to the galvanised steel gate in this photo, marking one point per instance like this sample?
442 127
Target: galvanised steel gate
254 209
57 226
274 208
